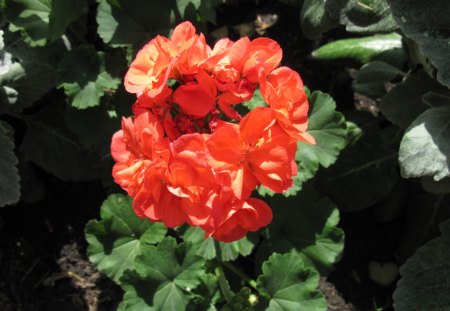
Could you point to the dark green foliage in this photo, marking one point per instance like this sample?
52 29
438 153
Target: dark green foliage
61 100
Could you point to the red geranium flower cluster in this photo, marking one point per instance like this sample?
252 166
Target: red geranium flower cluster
188 155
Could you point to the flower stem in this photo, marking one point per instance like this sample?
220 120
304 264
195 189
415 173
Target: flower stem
240 274
223 284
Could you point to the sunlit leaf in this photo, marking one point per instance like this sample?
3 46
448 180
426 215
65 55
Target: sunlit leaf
425 148
362 49
163 278
83 77
206 247
426 22
116 239
366 16
290 284
42 20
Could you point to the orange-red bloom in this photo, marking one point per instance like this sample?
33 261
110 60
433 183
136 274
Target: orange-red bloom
181 159
283 91
255 152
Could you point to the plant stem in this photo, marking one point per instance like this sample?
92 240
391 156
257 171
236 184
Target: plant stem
223 284
241 274
221 279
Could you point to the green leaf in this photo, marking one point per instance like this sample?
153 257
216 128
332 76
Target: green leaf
40 20
63 12
8 97
435 99
30 16
363 16
183 5
404 103
317 239
329 129
362 49
5 61
138 292
239 301
94 127
255 101
425 281
426 22
207 10
83 76
31 77
164 278
425 212
49 144
206 247
116 239
370 160
425 147
9 175
126 24
373 76
290 284
315 20
206 294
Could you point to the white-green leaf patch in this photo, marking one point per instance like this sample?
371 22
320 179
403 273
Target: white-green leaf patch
425 147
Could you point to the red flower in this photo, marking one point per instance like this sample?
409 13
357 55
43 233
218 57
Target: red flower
256 151
197 98
231 220
162 59
283 90
181 159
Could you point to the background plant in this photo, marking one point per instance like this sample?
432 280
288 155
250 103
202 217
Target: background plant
386 150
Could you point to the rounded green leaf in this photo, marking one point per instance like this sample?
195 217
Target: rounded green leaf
363 16
370 160
116 239
126 24
42 20
83 77
163 278
206 247
315 20
9 175
362 49
426 22
425 281
290 285
373 76
425 148
405 102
